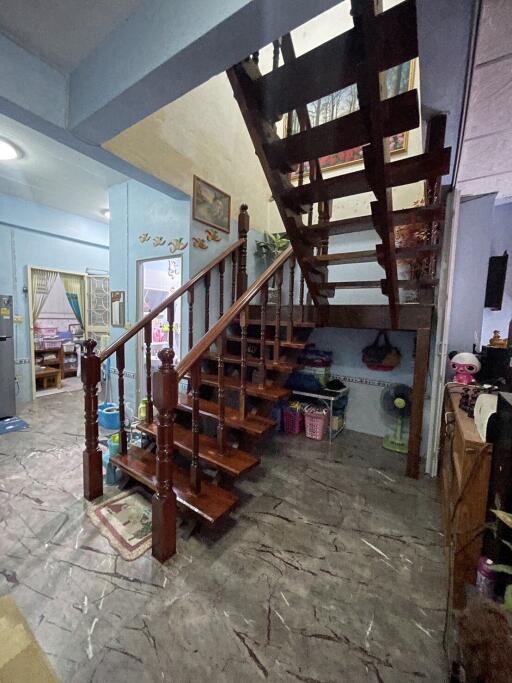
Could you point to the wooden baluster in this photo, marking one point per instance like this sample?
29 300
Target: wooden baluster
123 441
243 229
243 363
164 500
263 335
221 425
170 320
195 471
234 267
190 295
291 291
148 333
275 54
206 302
92 462
277 338
222 265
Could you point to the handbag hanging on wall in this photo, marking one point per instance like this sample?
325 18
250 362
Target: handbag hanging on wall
381 354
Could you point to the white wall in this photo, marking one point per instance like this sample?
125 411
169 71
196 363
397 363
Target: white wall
470 274
501 241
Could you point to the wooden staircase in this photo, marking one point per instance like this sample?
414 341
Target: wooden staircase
378 41
235 373
199 439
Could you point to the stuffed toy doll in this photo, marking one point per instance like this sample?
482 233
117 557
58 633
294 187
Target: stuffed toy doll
465 365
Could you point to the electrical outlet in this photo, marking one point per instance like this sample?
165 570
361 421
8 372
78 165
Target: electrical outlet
18 319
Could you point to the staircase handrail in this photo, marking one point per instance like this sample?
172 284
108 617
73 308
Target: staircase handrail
139 326
223 323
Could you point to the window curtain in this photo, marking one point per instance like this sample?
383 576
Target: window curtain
42 283
75 292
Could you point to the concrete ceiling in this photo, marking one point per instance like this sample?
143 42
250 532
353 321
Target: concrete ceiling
62 32
53 174
486 160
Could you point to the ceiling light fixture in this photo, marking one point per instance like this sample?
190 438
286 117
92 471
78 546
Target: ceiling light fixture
9 151
106 213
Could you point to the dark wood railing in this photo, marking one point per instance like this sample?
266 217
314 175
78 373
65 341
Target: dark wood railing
234 255
162 385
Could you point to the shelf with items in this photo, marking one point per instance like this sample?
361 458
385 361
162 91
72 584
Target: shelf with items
49 357
71 361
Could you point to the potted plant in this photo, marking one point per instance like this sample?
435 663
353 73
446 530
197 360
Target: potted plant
268 249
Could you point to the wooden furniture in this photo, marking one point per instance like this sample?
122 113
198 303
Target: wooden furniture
465 470
43 358
49 375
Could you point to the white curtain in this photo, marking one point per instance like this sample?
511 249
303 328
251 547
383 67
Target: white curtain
42 283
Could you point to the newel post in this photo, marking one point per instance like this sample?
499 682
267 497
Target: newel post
243 229
92 463
165 392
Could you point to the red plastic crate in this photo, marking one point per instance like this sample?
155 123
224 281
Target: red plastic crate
292 421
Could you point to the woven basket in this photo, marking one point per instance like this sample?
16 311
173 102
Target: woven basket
292 421
316 425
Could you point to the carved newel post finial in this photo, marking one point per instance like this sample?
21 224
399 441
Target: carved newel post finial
90 345
166 357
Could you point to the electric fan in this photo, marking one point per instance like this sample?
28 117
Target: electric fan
396 401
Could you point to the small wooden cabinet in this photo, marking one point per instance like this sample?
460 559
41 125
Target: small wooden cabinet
465 470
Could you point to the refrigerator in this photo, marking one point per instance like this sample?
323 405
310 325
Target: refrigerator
7 368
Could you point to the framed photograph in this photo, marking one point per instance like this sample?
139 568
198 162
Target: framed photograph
210 205
117 311
399 79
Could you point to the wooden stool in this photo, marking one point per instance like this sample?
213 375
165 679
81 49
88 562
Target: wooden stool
49 375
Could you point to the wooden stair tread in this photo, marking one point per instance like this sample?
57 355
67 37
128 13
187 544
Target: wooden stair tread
271 393
307 79
235 462
344 226
402 172
400 113
347 257
252 424
370 284
283 323
211 504
278 366
283 343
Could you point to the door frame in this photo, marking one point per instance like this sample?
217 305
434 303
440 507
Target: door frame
31 317
139 263
444 307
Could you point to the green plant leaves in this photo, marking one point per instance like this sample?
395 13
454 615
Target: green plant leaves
502 568
505 517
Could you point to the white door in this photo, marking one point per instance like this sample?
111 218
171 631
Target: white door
444 304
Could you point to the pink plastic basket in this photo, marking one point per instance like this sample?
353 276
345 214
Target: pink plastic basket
316 425
292 421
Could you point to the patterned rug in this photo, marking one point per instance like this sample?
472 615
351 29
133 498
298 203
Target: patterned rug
125 520
21 658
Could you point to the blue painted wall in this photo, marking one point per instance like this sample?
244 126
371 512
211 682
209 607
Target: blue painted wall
136 209
35 235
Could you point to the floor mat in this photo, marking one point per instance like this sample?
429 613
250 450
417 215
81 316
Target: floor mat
125 520
21 658
12 424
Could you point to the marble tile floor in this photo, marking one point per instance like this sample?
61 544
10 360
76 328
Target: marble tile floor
331 571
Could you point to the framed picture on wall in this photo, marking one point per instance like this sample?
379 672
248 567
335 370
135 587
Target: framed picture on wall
210 205
399 79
